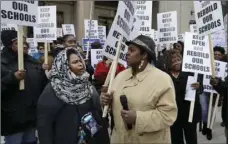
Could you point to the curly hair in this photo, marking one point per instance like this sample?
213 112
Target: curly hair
168 58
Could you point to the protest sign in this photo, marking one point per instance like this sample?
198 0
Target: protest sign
193 28
86 42
196 57
68 29
32 46
209 17
46 29
220 70
219 38
8 27
102 34
122 25
167 27
96 56
181 37
91 29
19 12
144 13
59 32
135 28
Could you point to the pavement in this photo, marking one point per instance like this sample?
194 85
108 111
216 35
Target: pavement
217 132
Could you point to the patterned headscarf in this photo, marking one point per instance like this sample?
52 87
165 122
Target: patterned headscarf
68 87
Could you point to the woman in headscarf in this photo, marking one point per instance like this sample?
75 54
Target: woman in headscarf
181 125
69 111
150 95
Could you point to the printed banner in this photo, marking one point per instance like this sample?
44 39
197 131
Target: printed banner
19 12
209 17
167 27
196 56
46 29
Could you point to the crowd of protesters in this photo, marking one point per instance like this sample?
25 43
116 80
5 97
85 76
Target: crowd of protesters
60 97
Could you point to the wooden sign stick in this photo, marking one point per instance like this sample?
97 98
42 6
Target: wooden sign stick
90 19
214 111
192 106
213 76
20 41
113 73
46 54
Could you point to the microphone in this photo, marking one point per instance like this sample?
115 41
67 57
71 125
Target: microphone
123 101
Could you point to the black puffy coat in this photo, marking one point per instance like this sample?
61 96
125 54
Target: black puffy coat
19 106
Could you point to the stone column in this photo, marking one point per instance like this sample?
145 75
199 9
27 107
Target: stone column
81 11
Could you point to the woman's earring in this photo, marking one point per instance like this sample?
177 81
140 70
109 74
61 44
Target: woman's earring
141 64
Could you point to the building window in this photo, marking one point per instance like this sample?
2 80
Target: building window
60 19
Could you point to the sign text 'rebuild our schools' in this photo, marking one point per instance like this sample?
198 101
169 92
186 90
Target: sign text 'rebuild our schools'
167 27
209 18
144 14
23 12
122 25
46 29
196 57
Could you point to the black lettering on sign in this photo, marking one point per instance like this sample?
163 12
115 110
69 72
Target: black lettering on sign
145 29
43 36
167 29
196 67
18 16
166 20
207 10
143 17
12 28
116 34
166 15
122 24
198 54
197 60
210 26
200 43
110 50
208 18
20 6
129 6
127 16
46 25
44 31
99 56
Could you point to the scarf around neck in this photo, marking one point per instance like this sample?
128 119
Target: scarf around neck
68 87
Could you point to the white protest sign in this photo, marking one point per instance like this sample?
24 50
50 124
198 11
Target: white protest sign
102 34
181 37
19 12
196 56
122 25
8 27
59 32
46 29
219 38
167 27
190 92
96 56
32 43
220 68
209 17
91 29
144 14
68 29
193 28
135 28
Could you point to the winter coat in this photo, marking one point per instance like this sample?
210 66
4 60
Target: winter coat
152 95
19 106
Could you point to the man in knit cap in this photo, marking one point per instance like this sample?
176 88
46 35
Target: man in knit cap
18 119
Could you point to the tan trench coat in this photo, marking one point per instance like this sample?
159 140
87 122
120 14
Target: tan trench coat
151 94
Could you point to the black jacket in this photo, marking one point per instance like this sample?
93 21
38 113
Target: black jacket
19 106
180 84
221 88
58 122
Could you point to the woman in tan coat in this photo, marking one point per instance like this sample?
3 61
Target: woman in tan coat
150 95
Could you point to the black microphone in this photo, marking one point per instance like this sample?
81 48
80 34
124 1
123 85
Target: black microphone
123 101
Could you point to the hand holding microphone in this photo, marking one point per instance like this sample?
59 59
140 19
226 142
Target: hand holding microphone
129 116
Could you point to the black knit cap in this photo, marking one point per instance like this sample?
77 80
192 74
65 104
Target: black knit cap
146 43
8 36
